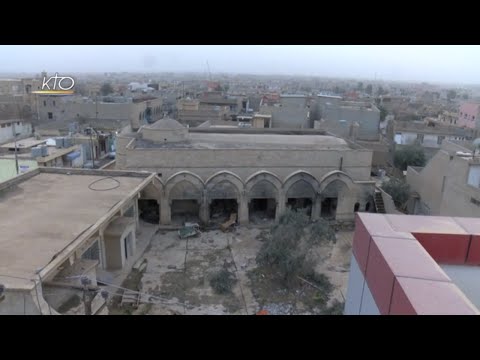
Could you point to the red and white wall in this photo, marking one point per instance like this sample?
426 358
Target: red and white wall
394 268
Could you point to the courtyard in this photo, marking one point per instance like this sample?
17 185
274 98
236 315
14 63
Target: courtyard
176 278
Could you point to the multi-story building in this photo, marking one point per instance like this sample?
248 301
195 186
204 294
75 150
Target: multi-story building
468 115
449 184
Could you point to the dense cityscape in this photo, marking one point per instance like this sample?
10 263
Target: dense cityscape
160 193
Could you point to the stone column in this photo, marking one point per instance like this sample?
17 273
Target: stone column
243 210
136 213
204 214
316 207
280 205
165 206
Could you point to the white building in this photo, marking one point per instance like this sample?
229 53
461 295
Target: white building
7 133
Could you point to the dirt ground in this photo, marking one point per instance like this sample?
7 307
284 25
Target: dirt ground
178 272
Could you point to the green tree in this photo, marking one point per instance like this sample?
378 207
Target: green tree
465 96
411 155
451 94
369 89
360 86
398 189
288 247
383 112
106 89
381 91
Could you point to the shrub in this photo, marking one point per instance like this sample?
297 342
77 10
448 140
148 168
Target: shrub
223 281
398 189
290 242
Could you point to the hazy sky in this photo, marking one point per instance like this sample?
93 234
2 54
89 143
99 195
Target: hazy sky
452 63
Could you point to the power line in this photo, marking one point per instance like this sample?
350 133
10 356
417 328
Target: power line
149 296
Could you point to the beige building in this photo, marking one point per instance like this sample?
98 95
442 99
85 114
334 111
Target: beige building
136 112
207 174
80 223
449 185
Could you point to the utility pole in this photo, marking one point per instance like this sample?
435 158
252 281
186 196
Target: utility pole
87 300
15 141
91 130
93 149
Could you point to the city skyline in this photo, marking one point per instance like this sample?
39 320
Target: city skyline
407 63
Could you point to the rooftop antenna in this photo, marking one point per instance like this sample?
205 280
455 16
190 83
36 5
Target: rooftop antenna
209 73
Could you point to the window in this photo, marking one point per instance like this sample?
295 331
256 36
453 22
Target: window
50 115
454 121
44 103
440 139
3 125
473 118
420 138
53 102
18 123
8 125
443 183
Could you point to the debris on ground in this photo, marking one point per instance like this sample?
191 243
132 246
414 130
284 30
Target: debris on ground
226 225
189 230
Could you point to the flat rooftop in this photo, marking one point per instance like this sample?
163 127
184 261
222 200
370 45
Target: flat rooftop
24 143
41 215
251 141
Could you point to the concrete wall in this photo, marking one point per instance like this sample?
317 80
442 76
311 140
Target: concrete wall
25 302
428 182
113 243
458 195
134 112
7 134
165 135
292 114
245 162
368 119
443 186
429 140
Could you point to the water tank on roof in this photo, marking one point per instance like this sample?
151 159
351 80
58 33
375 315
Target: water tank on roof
67 142
44 150
36 152
59 142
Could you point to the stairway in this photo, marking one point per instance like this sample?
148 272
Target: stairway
379 205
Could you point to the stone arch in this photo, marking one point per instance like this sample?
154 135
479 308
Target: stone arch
301 177
336 190
263 193
184 185
300 190
336 175
224 182
184 194
260 178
